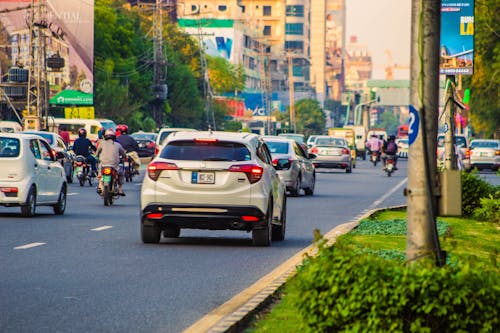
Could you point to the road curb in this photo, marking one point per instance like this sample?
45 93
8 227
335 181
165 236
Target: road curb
234 315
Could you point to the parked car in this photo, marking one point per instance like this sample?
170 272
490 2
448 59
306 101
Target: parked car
461 143
293 165
332 152
146 142
485 154
213 180
30 175
403 147
63 155
165 132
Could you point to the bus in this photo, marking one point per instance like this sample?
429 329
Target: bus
402 131
72 125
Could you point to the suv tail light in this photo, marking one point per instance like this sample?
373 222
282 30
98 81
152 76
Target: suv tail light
254 172
497 152
155 168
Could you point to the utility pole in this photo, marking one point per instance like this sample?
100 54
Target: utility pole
422 238
292 91
160 88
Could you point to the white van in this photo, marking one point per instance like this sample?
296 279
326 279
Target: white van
72 125
10 126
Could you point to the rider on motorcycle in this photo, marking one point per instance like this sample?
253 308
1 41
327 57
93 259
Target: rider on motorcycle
109 153
390 149
374 145
83 146
130 145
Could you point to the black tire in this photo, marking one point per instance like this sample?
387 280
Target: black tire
310 190
60 207
150 235
262 237
348 169
29 208
295 191
90 180
364 156
172 232
106 195
278 231
81 180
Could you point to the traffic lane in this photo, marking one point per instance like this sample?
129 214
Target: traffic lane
124 285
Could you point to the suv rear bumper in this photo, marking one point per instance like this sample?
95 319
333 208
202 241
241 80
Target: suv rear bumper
211 217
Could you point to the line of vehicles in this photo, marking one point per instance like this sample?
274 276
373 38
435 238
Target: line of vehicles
196 179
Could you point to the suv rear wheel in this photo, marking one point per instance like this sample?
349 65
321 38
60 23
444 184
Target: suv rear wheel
278 231
262 237
150 235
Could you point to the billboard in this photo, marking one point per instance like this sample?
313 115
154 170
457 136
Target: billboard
68 30
457 37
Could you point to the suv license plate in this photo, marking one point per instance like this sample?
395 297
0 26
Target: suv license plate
203 177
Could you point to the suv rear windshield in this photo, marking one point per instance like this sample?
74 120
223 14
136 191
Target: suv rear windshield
205 151
9 147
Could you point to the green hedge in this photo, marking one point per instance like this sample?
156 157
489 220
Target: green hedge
473 189
342 290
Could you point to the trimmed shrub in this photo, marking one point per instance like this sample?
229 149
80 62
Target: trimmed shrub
342 290
473 189
489 209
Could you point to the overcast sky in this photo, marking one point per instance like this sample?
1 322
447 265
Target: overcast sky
381 25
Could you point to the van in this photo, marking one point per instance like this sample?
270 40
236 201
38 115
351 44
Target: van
360 140
72 125
10 126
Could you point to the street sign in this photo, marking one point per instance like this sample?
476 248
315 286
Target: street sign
413 124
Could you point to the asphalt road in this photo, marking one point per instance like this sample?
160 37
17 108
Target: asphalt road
88 271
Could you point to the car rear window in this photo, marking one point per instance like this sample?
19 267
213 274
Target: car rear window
484 144
329 142
277 147
47 136
9 147
205 151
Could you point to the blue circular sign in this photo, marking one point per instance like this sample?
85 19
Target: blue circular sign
413 124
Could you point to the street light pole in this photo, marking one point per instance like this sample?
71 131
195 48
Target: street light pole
292 91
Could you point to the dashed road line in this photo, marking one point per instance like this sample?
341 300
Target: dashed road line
72 193
105 227
28 246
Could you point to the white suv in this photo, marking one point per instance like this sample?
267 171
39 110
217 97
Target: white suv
213 180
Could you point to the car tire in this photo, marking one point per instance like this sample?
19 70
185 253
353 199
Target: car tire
150 235
295 191
310 189
29 208
106 194
262 237
348 169
60 207
278 231
172 232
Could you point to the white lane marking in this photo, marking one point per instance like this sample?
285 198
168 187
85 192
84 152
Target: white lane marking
28 246
388 194
102 228
72 193
138 184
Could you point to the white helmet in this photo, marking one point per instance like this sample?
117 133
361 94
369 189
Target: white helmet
110 134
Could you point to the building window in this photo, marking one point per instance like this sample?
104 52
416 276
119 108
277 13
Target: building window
294 45
222 8
267 30
242 9
294 28
266 11
296 11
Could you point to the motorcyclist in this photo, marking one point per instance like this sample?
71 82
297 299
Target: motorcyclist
374 145
109 153
130 145
83 146
390 148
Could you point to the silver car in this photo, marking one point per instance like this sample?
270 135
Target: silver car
292 164
332 152
485 154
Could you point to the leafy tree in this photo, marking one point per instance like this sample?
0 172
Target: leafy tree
309 117
389 121
224 76
485 103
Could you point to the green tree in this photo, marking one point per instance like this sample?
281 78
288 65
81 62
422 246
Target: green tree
224 76
485 83
310 118
389 122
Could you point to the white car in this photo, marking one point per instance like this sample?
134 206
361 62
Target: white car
213 180
30 174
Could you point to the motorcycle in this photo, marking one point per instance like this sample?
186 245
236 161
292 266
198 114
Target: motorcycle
82 170
390 165
374 157
109 191
129 170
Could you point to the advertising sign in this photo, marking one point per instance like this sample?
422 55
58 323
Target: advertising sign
457 37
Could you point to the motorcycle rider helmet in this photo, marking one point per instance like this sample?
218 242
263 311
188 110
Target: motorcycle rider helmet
392 137
110 134
122 128
82 133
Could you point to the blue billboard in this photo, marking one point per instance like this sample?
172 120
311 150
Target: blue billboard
457 37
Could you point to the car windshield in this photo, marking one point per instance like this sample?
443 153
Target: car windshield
144 136
205 151
484 144
329 142
9 147
277 147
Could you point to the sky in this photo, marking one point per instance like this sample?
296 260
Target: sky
382 25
